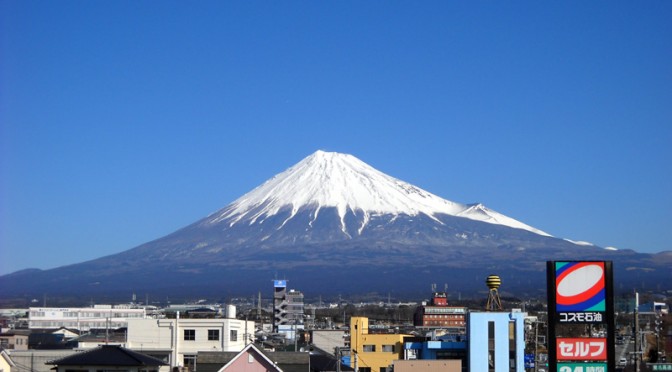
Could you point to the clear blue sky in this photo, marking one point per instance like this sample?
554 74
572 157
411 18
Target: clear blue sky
122 121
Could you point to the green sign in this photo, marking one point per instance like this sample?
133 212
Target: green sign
661 366
582 367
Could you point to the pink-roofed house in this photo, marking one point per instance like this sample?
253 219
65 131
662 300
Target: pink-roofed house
250 359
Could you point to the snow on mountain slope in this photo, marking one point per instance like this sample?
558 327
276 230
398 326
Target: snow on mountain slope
330 179
580 242
480 212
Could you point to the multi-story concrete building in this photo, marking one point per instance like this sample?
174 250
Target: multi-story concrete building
82 319
288 309
178 341
328 340
373 352
438 314
496 341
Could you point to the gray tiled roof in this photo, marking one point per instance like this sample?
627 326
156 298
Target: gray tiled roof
108 355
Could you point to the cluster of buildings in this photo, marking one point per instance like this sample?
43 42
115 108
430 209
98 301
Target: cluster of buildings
206 338
446 338
177 340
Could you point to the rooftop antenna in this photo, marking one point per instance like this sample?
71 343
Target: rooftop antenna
433 287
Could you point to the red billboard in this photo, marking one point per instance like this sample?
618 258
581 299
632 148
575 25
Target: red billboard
581 349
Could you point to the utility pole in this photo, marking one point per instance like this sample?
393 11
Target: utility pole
636 331
246 335
536 347
295 338
338 360
354 349
658 323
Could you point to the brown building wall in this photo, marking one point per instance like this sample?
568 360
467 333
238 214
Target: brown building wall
447 365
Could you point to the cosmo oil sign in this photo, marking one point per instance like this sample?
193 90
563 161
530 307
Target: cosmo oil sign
580 314
580 286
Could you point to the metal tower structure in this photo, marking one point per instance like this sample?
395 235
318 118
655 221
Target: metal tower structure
494 303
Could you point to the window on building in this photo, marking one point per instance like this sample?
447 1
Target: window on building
189 335
213 334
369 348
233 335
491 346
364 369
388 348
512 349
189 361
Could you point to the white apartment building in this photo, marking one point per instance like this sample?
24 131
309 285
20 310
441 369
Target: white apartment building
178 341
83 319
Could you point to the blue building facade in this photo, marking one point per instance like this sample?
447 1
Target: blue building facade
507 349
495 341
432 350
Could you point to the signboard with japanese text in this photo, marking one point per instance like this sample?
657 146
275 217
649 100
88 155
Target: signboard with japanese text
582 367
529 360
580 291
579 286
580 316
582 348
279 283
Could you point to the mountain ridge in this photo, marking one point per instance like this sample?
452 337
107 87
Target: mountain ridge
339 245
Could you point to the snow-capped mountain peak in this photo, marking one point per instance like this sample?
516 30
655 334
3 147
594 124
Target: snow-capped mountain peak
341 181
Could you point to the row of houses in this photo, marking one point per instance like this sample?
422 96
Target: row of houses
175 341
118 358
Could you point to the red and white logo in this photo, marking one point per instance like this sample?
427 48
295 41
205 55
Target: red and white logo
582 349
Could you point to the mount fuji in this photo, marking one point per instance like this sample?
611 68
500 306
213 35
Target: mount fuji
333 224
356 191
